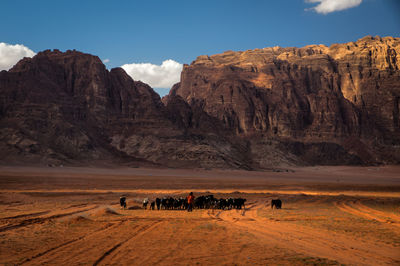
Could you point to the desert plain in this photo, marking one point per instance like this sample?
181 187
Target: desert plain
71 215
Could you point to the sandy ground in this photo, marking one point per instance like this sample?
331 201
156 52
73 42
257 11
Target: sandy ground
330 216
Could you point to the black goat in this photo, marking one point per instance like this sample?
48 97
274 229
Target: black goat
277 203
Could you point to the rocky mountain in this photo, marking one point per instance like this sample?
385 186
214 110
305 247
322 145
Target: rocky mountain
257 109
316 101
67 108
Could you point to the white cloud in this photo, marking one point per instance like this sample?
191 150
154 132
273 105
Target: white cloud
157 76
105 61
328 6
11 54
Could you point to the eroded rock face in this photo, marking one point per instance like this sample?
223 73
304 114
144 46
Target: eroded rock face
58 108
265 108
64 106
314 94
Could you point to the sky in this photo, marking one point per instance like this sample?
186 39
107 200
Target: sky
152 39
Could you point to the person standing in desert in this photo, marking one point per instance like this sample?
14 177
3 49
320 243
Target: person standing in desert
190 201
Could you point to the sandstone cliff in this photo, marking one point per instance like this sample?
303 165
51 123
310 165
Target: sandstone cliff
58 108
263 108
345 94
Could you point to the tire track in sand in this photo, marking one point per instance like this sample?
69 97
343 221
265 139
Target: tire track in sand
68 242
25 215
312 241
140 231
391 216
174 240
41 219
91 248
363 211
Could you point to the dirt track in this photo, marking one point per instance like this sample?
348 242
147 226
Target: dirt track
315 242
50 225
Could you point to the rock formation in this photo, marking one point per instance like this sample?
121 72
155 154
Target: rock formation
345 94
58 108
257 109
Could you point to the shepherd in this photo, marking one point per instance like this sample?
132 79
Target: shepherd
190 201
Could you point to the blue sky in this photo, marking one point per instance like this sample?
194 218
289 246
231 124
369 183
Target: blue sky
151 31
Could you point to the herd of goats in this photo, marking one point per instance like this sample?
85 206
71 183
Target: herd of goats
201 202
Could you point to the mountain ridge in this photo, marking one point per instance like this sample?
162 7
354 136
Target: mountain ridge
257 109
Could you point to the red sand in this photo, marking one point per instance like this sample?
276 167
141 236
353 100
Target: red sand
330 215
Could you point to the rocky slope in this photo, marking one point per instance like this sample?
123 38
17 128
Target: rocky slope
263 108
315 104
58 108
